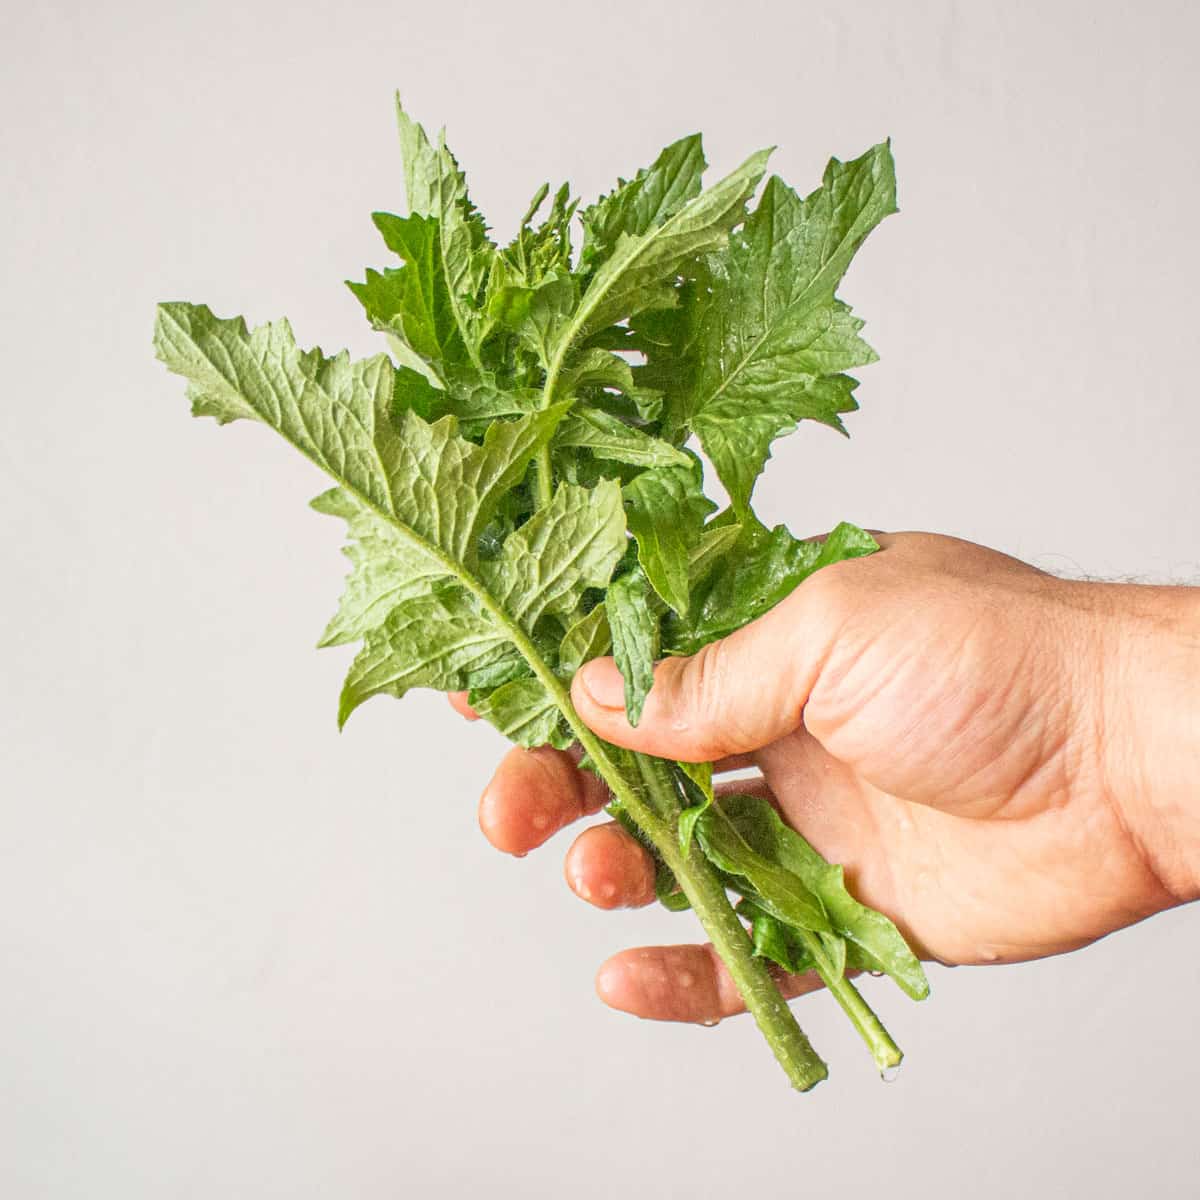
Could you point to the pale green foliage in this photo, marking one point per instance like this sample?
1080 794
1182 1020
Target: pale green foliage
515 484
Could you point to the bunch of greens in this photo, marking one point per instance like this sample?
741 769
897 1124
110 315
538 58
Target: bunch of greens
521 494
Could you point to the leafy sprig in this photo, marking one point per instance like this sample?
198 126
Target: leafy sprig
522 491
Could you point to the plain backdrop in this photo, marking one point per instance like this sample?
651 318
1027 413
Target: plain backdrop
244 956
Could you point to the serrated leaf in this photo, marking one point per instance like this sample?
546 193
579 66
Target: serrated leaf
537 252
433 641
634 628
590 637
608 437
416 496
570 545
414 301
666 511
653 195
386 568
639 272
535 312
525 713
437 188
757 572
879 943
768 328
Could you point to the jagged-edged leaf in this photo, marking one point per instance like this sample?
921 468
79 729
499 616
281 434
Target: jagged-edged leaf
437 188
537 251
414 301
876 943
666 511
588 638
767 329
566 547
758 571
634 626
434 641
525 713
535 312
648 199
639 272
608 437
596 366
386 567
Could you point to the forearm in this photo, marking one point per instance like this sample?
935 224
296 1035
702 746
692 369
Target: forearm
1152 725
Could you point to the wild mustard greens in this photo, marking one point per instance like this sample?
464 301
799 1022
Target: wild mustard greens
520 492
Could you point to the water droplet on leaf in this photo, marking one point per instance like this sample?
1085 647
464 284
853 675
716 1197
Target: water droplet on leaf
890 1074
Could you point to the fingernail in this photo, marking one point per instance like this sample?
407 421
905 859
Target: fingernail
603 683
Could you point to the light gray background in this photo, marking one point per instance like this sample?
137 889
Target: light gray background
245 957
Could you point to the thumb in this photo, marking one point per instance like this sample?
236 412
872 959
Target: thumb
733 696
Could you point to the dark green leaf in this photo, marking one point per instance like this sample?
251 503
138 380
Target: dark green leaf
635 638
878 942
755 574
764 335
666 510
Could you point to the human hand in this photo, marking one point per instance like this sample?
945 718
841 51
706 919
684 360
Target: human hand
1002 760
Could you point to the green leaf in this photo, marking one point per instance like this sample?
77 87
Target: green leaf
570 545
536 312
666 511
635 638
435 641
777 889
653 195
697 783
756 573
437 188
774 940
879 944
768 339
416 497
608 437
525 713
588 638
414 301
639 272
386 568
537 252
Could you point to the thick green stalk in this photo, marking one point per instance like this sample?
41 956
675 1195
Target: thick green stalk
884 1051
704 889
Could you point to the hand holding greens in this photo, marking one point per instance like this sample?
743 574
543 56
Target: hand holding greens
521 493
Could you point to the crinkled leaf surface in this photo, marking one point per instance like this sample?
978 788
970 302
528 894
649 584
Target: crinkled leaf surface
416 497
645 201
760 569
766 337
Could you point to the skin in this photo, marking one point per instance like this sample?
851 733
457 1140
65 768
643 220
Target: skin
1005 761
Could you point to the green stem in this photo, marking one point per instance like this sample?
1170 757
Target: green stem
654 808
704 889
884 1051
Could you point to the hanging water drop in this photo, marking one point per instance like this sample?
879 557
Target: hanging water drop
890 1074
875 974
709 1022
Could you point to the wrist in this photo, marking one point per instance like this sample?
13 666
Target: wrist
1151 726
